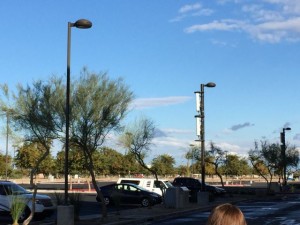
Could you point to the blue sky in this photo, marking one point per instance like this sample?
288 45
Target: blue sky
164 50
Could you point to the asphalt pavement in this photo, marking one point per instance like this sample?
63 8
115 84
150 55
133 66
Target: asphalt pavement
141 215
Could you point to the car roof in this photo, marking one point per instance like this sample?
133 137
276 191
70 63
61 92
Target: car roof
6 182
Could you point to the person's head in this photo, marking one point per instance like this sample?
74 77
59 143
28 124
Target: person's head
226 214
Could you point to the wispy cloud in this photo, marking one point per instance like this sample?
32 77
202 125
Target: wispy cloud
188 8
191 10
240 126
160 133
170 142
142 103
269 21
228 147
225 25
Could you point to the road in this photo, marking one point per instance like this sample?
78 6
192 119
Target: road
279 212
273 212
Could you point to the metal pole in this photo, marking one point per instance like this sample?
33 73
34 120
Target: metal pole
284 157
67 114
6 154
202 138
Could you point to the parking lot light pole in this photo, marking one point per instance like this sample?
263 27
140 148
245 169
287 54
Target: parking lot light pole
200 127
81 24
283 152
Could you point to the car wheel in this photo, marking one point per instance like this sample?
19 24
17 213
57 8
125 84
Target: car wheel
25 214
145 202
107 200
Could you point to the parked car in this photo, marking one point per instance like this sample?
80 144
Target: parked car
150 184
43 203
194 185
126 193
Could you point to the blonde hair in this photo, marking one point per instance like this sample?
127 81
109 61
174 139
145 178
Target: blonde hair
226 214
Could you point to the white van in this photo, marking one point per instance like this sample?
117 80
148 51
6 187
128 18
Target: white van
150 184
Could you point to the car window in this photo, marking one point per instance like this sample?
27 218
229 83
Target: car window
188 182
9 189
158 184
2 190
120 187
178 181
168 183
137 182
130 188
16 189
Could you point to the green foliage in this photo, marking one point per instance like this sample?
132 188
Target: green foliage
17 206
3 165
98 106
75 200
236 165
182 170
28 155
38 112
163 164
76 162
193 157
137 140
59 198
266 159
292 159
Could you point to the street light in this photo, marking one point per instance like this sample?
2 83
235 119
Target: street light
200 126
81 24
283 153
6 145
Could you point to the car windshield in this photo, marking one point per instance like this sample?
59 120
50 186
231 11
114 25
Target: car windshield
138 187
168 184
13 189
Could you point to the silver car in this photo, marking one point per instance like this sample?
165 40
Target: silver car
8 190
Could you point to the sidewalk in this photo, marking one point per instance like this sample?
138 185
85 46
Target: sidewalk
141 215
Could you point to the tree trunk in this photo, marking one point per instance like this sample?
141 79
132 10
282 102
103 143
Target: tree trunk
28 220
221 178
35 168
90 164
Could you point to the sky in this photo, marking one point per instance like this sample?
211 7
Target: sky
164 50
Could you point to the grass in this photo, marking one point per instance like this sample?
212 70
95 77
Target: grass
17 206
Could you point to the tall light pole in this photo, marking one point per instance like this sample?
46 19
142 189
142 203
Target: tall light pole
6 148
200 127
6 144
82 24
283 153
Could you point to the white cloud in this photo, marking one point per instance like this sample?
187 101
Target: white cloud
215 25
274 32
170 142
269 21
191 10
228 147
259 14
188 8
142 103
288 6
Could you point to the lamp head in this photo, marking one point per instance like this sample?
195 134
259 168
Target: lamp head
83 24
210 84
287 128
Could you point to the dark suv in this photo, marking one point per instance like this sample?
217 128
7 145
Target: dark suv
194 185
